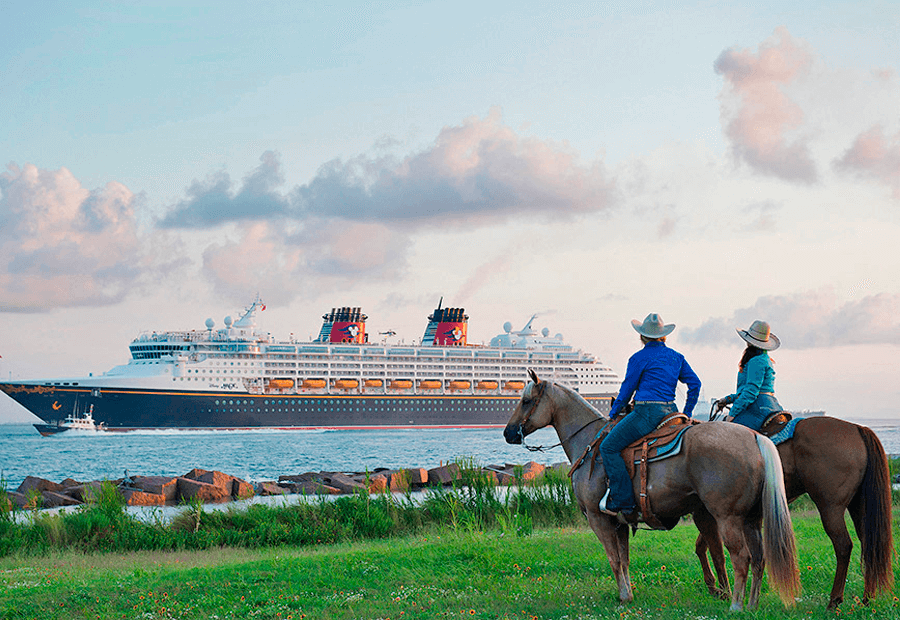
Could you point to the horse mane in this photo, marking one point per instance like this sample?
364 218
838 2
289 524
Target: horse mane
569 392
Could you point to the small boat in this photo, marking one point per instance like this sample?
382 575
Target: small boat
74 421
313 383
401 384
373 383
429 384
513 385
459 385
346 384
486 385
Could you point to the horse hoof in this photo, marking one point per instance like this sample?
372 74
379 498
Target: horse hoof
720 594
735 607
834 603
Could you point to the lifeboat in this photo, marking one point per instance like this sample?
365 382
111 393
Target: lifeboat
313 383
459 385
429 384
401 384
373 383
346 384
486 385
513 385
280 384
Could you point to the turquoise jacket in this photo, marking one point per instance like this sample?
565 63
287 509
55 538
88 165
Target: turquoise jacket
757 377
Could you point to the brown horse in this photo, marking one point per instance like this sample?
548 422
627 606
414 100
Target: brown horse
842 466
727 476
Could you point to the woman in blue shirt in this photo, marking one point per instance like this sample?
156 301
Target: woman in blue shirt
651 377
755 399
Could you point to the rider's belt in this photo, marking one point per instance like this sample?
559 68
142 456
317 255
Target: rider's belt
767 393
654 402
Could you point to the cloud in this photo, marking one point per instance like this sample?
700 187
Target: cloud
63 245
279 262
812 319
874 154
213 201
479 171
357 217
757 113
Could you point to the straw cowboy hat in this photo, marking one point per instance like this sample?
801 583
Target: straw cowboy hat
760 336
652 327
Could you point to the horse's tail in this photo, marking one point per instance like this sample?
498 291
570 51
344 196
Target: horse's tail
779 546
876 538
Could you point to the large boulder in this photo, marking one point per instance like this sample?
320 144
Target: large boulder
167 486
52 499
309 487
32 483
378 483
532 470
203 491
407 479
269 488
343 482
17 499
87 492
444 475
241 489
140 498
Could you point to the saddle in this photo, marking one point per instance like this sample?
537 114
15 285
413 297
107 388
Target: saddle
663 442
775 423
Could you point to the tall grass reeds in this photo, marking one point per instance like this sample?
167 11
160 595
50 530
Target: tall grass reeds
473 503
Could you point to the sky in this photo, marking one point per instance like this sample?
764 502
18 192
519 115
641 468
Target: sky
713 162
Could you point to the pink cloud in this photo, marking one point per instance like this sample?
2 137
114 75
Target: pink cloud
876 155
63 245
810 319
278 263
758 116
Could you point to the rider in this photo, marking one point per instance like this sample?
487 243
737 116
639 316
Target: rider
755 399
651 377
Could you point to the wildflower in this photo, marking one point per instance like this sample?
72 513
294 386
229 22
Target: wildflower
471 612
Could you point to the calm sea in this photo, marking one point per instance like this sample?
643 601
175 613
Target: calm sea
266 454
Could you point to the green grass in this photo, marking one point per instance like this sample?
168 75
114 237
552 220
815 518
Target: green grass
463 552
552 574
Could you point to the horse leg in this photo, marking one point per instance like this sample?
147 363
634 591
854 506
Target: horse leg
753 539
732 533
833 521
611 539
709 539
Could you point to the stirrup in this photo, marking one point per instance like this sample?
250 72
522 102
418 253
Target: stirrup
603 507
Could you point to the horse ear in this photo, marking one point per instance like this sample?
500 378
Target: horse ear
533 376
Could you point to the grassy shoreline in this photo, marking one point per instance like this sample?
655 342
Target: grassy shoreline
554 573
464 552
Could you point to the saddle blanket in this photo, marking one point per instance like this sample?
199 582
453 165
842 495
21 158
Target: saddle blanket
666 450
786 433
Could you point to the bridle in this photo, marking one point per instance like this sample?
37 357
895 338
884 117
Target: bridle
540 386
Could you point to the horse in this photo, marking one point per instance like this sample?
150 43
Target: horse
842 466
727 476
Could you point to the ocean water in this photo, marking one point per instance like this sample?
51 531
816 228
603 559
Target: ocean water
266 454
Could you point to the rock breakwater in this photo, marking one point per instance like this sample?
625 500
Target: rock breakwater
210 486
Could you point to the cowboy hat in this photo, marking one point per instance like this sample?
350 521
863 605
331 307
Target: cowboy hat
760 336
652 327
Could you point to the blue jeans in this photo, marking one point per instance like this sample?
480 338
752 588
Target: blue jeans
760 409
636 424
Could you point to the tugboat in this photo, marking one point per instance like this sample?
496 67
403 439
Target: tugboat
73 421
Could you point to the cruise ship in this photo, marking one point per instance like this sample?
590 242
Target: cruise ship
237 377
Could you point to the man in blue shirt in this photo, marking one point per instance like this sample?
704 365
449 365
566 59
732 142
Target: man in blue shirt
651 377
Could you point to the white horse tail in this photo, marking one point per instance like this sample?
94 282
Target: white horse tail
779 546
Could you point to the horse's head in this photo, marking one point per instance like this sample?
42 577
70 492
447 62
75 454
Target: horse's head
532 412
